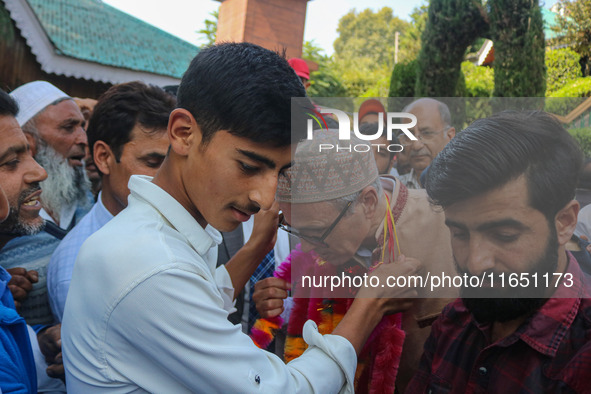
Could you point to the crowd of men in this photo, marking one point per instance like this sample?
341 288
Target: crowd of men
159 267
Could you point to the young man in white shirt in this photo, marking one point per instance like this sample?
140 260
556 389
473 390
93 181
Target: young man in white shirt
149 313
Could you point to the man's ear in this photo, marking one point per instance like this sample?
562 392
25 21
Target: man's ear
566 222
103 157
451 132
183 131
369 200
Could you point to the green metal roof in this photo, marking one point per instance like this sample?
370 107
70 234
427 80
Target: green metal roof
94 31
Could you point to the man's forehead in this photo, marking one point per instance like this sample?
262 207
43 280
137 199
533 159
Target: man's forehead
140 131
12 140
508 200
64 110
426 111
10 132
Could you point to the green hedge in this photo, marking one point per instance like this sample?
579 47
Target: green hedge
562 67
571 95
583 137
403 80
580 87
517 29
480 81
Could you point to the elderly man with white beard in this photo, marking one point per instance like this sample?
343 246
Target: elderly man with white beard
53 126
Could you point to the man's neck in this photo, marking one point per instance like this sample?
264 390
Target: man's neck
108 198
169 179
417 176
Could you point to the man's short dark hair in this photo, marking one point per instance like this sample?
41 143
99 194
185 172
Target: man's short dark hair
493 151
244 89
123 106
8 105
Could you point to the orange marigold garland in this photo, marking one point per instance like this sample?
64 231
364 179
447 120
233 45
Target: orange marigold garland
378 362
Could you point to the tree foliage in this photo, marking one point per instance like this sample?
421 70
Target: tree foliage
517 31
210 29
576 26
580 87
516 28
479 80
364 51
562 67
324 82
410 39
452 25
583 138
403 80
368 35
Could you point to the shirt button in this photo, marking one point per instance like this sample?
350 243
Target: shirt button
257 379
483 371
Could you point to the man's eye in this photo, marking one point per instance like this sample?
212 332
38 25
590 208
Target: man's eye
461 235
506 237
248 169
154 163
12 164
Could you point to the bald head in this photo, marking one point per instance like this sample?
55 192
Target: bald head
432 105
433 130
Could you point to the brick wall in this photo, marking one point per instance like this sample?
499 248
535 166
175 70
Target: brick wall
273 24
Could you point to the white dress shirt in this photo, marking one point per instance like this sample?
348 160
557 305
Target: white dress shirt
147 312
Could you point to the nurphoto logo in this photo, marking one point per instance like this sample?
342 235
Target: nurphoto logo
345 130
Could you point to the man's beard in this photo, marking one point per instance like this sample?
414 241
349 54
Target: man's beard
524 301
14 225
65 185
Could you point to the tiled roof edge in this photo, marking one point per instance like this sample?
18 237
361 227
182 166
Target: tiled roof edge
44 51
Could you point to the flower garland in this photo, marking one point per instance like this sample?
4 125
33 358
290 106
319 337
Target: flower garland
381 352
379 359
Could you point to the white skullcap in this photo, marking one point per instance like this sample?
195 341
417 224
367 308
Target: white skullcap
33 97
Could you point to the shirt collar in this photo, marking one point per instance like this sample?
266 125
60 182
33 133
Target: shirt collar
201 239
548 326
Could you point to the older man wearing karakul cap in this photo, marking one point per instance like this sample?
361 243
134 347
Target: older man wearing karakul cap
53 126
343 211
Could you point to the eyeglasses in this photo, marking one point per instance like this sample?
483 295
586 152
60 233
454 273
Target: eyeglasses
317 241
424 137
